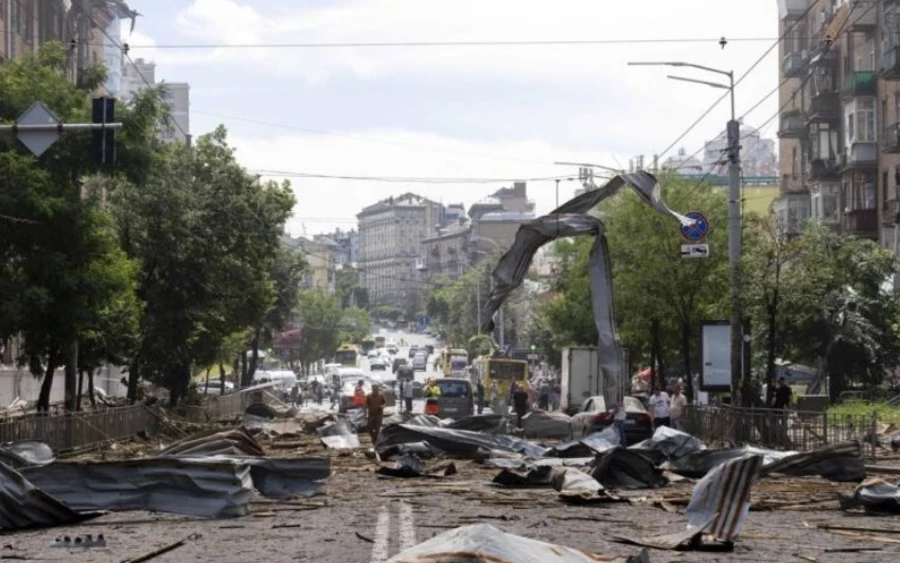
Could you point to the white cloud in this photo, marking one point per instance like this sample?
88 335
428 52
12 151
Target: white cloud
323 204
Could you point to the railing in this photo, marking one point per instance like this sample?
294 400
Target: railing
861 83
220 407
776 428
66 432
792 125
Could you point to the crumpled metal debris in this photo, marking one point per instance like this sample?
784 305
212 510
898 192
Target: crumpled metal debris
838 462
668 443
406 465
719 506
571 219
459 442
25 453
230 442
483 543
621 468
543 424
480 423
592 444
875 495
535 477
422 449
338 435
23 506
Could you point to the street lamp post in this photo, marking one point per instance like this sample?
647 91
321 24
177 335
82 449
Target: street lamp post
733 131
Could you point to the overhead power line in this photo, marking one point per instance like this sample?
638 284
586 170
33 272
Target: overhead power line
485 43
407 179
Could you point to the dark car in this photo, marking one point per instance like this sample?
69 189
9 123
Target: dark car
457 398
399 363
638 423
413 350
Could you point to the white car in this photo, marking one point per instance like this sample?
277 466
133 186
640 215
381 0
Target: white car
372 354
590 408
378 364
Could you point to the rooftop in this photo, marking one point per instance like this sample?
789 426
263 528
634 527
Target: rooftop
404 200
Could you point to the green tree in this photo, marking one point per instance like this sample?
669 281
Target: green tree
64 279
321 318
356 324
348 288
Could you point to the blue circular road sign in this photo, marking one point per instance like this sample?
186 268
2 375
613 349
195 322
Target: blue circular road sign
698 230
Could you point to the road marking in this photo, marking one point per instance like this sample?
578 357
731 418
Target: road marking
382 535
407 527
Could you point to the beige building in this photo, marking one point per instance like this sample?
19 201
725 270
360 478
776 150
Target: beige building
839 148
490 228
320 263
390 233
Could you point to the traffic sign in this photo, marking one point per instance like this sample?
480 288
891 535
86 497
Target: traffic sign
534 357
695 251
697 230
38 140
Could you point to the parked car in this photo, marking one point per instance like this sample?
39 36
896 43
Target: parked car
392 348
348 387
584 418
420 362
413 350
638 423
214 387
378 364
457 399
282 380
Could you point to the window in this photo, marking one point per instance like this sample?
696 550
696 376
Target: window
860 119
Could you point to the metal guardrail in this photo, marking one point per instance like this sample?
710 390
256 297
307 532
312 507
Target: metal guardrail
70 431
776 428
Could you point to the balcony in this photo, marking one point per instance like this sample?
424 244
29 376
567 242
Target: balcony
421 264
824 57
824 106
795 63
861 222
860 155
860 83
862 17
890 141
891 212
822 169
792 125
890 63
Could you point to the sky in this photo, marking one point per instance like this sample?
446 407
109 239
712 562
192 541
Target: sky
407 115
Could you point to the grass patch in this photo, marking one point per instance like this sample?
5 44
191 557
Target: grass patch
885 412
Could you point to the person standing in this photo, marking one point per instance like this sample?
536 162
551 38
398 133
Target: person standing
295 394
375 403
660 404
520 404
783 394
359 395
479 393
677 408
408 394
544 400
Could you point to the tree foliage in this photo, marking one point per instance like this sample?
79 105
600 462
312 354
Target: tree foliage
321 318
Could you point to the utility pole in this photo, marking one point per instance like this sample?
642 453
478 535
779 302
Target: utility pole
733 132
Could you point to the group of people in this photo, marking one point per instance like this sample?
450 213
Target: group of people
668 410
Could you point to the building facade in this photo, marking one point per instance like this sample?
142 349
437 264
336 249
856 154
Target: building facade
321 267
390 233
839 144
490 227
344 245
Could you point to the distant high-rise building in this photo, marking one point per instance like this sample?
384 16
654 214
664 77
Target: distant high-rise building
141 74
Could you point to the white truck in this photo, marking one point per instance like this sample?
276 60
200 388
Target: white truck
581 377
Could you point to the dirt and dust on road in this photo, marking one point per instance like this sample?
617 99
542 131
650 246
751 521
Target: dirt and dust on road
277 492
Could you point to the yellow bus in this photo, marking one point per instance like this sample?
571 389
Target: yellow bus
347 355
500 372
453 361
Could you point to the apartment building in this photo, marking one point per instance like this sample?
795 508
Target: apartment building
490 227
344 245
390 233
838 132
321 267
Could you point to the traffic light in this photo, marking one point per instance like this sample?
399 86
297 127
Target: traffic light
104 140
533 347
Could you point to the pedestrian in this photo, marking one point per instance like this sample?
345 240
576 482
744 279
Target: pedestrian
783 394
432 391
375 403
407 392
520 404
494 397
544 400
678 408
479 391
359 395
554 395
320 392
295 394
660 402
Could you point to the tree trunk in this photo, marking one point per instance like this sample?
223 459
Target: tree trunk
254 354
43 404
180 384
134 371
221 378
771 340
245 381
206 386
686 354
71 375
91 395
653 359
80 389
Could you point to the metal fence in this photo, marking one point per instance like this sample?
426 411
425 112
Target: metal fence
66 432
775 428
218 407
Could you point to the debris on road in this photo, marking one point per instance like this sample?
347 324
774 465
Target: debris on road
338 435
22 505
874 495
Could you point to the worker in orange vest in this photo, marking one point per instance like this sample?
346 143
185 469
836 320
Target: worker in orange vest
359 396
